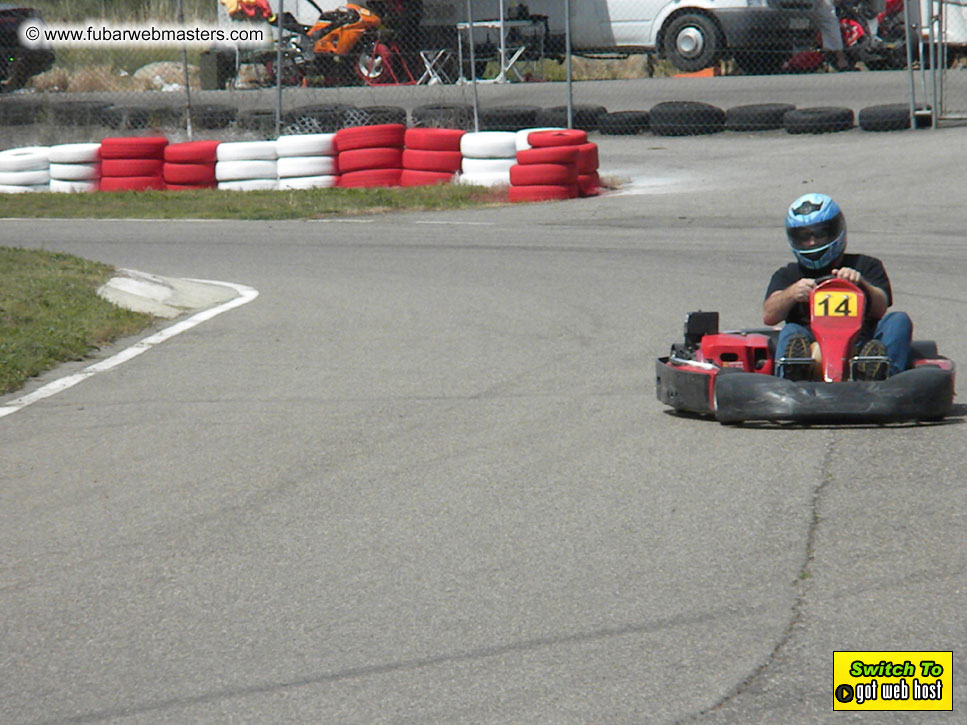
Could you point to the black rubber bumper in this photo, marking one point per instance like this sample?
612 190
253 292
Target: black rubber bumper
924 393
683 388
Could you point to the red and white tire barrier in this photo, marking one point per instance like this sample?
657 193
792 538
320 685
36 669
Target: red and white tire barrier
132 163
554 164
537 163
487 157
190 165
370 156
431 156
520 139
247 166
307 161
25 169
75 167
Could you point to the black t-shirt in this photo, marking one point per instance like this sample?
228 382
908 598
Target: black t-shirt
870 267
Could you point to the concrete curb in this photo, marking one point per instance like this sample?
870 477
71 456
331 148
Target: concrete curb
166 297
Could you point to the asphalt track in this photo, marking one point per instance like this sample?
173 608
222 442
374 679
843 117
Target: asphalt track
423 477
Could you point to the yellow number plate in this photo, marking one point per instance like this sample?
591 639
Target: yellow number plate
835 304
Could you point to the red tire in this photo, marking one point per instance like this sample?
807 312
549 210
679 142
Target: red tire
371 177
189 173
564 137
587 158
132 167
134 147
542 193
413 177
192 152
589 184
420 160
543 174
433 139
370 158
365 137
131 183
188 187
549 155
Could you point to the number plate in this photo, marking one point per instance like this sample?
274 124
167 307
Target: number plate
798 23
835 304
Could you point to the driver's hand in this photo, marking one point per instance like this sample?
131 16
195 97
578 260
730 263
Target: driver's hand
802 288
849 274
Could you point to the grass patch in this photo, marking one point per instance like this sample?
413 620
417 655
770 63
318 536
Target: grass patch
217 204
50 312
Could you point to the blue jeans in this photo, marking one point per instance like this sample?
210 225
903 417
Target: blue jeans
894 330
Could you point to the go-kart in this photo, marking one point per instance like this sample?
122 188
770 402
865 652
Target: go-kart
732 375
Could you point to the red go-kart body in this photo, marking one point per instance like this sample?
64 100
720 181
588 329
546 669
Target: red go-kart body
731 375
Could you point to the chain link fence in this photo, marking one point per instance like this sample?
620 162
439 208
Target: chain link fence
943 26
635 66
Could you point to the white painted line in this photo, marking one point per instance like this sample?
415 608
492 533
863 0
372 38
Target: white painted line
111 219
245 295
341 221
468 224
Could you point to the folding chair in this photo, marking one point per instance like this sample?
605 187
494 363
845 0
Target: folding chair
433 62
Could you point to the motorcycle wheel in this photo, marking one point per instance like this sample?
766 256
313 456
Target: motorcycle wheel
372 65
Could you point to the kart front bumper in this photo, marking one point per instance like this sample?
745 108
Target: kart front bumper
923 393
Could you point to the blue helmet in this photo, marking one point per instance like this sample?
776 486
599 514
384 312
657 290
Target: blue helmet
816 230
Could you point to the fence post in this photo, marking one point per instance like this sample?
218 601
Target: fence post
473 68
567 60
184 63
278 72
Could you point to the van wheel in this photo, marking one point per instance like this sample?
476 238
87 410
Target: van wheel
692 42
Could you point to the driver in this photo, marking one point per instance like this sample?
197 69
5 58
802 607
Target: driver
816 230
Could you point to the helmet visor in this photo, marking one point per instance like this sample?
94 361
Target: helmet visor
817 235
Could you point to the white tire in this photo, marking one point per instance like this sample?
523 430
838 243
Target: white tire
25 178
241 170
488 144
493 178
309 182
306 144
14 189
523 144
246 151
294 166
75 153
75 172
487 166
72 186
249 185
26 158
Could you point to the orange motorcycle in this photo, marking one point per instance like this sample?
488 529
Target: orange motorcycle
344 46
341 48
